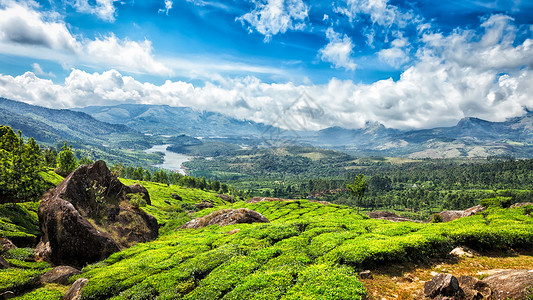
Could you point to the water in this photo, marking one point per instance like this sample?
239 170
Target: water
171 161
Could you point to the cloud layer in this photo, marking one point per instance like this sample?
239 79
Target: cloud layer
455 76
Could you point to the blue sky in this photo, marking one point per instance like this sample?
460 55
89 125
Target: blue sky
405 64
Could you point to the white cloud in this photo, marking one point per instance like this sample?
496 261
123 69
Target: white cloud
168 7
103 9
271 17
124 54
26 31
397 55
455 75
39 71
380 12
338 51
20 23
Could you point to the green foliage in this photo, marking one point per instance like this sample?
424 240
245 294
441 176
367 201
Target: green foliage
23 254
19 223
357 188
308 251
528 209
498 202
18 280
20 166
66 161
49 292
136 200
437 218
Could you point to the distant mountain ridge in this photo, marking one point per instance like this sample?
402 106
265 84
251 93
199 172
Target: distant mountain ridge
470 137
168 120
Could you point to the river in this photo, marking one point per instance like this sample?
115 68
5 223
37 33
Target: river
171 161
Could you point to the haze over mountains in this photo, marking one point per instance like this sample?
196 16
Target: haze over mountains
139 126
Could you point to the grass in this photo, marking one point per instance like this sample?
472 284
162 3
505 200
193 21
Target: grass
308 251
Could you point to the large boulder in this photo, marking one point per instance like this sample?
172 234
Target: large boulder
227 217
87 217
511 284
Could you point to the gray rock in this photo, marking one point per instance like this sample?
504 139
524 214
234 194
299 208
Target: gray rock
74 292
474 288
443 286
511 284
60 275
91 192
6 245
227 217
367 274
4 264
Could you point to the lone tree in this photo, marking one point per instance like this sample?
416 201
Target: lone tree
357 189
66 161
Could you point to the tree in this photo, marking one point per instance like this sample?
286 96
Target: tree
20 167
66 161
357 189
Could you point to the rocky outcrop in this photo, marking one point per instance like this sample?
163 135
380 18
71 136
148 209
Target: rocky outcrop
176 196
139 189
6 245
227 217
443 286
204 204
473 288
74 292
522 204
86 218
3 263
59 275
450 215
268 199
226 198
389 216
511 284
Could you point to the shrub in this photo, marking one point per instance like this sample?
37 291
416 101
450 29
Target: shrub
136 200
437 218
528 209
499 202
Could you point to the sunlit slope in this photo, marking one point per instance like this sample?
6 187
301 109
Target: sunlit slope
308 251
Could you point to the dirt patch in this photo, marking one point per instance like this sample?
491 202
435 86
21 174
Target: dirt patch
406 281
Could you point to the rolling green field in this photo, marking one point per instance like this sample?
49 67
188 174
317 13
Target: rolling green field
308 251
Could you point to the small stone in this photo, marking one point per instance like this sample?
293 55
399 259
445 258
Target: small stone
60 275
443 285
74 292
367 274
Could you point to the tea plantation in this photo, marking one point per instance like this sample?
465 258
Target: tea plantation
308 251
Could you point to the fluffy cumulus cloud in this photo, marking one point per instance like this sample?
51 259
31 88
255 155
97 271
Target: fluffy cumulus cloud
338 51
103 9
26 31
20 23
271 17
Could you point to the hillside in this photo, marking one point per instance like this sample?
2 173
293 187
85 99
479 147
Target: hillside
168 120
309 250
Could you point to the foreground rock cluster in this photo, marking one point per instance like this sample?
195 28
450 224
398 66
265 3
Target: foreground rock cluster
87 217
510 284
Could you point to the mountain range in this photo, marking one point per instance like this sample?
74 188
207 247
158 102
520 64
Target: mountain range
139 126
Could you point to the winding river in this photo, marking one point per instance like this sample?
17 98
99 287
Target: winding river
171 161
